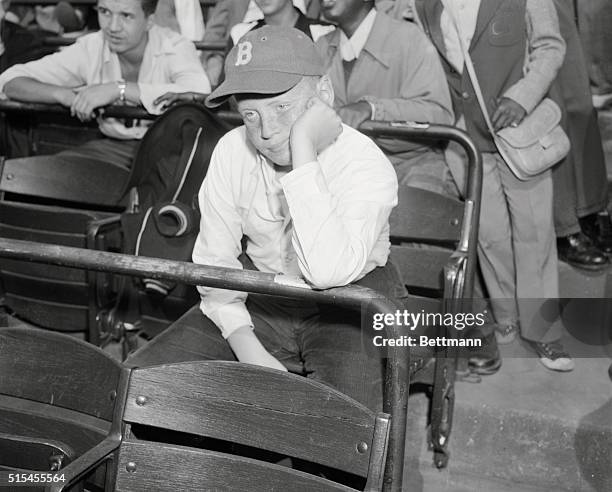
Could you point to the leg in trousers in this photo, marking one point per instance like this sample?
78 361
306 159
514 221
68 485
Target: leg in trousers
530 204
195 337
495 252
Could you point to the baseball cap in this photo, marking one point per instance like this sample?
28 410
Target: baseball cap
268 60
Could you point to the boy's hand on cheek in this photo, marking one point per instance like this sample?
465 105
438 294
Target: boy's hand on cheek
314 131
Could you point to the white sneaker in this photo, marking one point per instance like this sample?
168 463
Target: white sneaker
553 356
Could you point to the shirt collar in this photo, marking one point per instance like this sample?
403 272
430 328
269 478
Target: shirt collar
351 48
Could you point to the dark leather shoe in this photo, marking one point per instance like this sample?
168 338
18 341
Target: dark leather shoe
599 229
579 251
486 359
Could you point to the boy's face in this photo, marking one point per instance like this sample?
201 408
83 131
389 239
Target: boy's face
268 120
124 24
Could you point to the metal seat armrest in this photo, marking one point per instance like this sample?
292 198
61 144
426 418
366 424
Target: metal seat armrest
454 280
87 462
97 227
98 284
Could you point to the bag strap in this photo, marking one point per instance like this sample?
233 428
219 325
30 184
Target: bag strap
469 65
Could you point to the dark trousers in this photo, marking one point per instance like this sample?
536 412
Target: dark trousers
323 342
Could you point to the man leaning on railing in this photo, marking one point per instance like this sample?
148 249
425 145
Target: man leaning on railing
129 61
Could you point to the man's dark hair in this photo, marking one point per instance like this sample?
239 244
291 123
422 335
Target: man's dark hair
148 6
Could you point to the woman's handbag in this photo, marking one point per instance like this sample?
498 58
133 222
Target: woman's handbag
535 145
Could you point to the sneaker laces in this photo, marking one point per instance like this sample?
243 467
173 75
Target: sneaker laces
551 350
507 330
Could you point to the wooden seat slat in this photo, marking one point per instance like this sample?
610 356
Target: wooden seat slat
160 468
63 180
49 369
224 401
425 216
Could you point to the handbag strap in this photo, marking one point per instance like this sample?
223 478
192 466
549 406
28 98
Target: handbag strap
469 65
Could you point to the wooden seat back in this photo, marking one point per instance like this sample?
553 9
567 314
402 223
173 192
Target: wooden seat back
49 296
425 230
59 397
57 370
250 406
63 181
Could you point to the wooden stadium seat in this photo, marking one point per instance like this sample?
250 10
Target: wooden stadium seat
178 416
53 297
84 195
29 133
81 183
59 397
424 218
432 249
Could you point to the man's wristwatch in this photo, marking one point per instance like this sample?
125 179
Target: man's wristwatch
122 85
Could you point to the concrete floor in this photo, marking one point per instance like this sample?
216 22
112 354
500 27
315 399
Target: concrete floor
524 429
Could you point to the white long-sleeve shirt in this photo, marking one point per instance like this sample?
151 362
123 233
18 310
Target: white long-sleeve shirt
327 221
170 64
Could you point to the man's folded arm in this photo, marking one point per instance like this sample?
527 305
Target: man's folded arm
39 80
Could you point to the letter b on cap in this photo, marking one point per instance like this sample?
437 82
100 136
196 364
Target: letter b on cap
244 54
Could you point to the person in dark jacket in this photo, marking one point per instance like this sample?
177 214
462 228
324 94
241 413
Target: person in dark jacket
580 182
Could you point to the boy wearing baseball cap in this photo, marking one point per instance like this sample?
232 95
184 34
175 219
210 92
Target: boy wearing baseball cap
312 197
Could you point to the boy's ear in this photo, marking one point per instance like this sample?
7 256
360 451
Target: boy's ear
325 90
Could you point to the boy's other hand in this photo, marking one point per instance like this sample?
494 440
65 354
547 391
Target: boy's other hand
248 349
